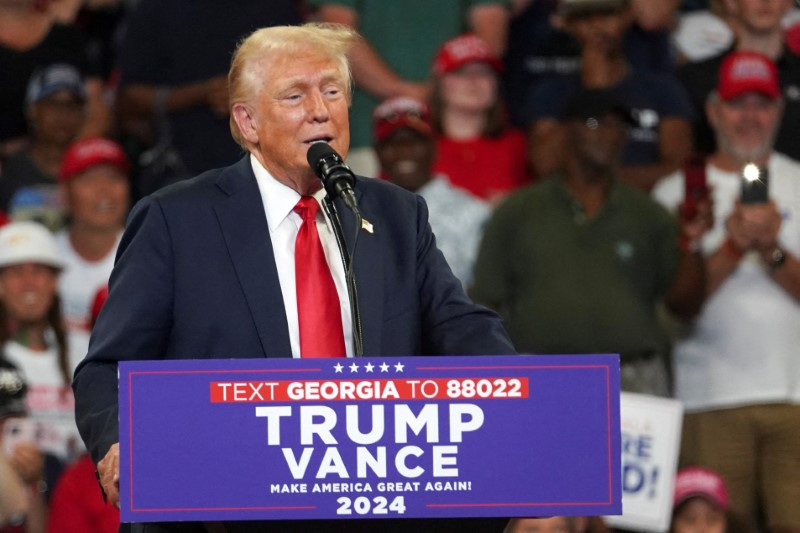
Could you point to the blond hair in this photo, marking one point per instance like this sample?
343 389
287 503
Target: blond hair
333 40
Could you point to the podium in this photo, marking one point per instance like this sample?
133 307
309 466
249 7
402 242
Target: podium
404 437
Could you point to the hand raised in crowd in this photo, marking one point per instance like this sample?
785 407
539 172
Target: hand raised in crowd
754 226
108 468
27 461
217 95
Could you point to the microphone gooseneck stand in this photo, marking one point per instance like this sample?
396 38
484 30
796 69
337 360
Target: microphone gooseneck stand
347 259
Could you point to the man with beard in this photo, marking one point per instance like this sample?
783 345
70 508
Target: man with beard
95 188
578 262
736 369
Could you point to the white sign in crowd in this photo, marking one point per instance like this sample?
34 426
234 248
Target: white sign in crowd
651 430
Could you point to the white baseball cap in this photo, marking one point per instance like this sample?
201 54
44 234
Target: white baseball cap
28 242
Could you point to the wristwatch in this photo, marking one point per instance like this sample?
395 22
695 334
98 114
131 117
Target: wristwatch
777 259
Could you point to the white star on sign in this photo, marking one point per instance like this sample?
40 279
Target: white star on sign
368 367
338 367
353 368
399 367
384 367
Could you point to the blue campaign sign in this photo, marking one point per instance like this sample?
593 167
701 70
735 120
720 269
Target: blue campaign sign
417 437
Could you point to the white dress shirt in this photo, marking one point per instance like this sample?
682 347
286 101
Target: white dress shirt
284 224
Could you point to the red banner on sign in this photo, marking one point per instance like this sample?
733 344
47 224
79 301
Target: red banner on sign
378 389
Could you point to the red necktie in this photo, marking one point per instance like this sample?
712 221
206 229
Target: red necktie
318 311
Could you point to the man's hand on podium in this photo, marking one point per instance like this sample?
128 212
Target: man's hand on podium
108 472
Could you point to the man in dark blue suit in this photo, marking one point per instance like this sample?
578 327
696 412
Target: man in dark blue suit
206 268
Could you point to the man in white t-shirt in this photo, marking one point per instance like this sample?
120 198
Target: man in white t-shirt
94 174
737 367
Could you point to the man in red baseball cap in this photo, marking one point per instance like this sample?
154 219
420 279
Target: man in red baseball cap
94 177
745 110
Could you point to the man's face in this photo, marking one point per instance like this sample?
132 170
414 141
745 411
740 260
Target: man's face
601 31
759 16
303 99
699 516
28 290
597 143
745 126
98 197
406 157
58 118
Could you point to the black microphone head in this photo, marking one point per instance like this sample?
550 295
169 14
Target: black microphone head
336 177
318 153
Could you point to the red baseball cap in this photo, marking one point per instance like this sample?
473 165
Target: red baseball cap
745 72
401 112
696 481
90 152
459 51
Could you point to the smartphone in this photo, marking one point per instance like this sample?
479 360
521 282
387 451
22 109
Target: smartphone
755 184
695 186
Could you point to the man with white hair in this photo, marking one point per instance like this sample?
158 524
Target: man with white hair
736 368
218 266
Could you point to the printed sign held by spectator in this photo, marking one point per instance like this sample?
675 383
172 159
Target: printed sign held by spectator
651 429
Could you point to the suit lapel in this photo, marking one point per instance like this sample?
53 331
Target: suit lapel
246 233
368 268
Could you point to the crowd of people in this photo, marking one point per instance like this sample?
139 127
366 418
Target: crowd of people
582 163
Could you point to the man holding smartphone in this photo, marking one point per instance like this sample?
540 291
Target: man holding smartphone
736 367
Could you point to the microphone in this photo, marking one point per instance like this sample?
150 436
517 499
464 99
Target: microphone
337 177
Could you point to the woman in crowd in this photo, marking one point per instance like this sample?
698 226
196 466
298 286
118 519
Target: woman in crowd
476 148
33 334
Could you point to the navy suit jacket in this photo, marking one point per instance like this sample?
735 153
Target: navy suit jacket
195 277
